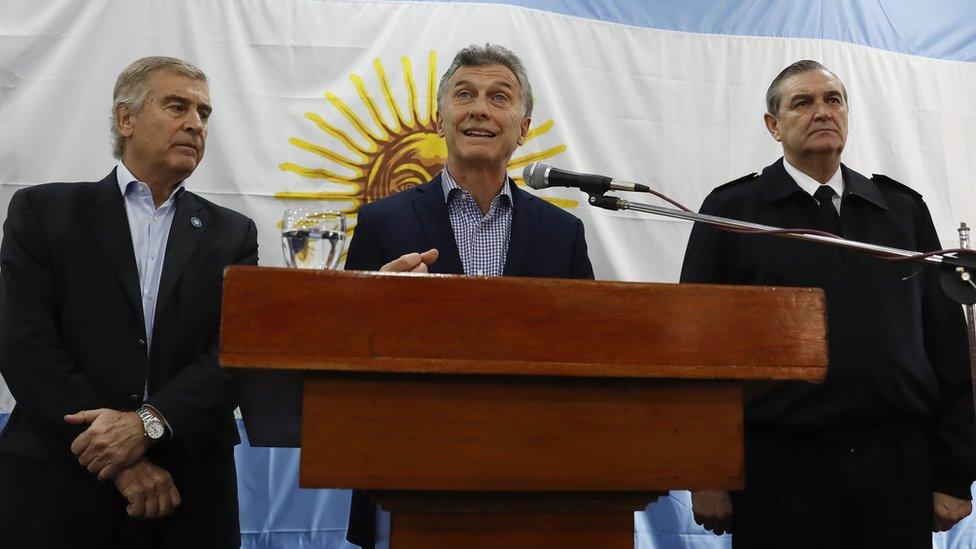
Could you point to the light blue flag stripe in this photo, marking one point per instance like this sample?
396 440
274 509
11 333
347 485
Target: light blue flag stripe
942 29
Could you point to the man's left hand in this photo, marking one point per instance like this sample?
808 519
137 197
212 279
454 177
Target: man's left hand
948 510
113 441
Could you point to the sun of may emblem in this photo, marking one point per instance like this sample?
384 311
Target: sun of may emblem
397 150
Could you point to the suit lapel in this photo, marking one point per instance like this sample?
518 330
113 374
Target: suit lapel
105 213
184 236
431 211
778 184
525 209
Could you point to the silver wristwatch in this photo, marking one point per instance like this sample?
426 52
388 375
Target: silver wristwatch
151 424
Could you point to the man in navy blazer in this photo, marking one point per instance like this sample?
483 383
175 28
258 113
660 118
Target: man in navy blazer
545 240
123 433
471 218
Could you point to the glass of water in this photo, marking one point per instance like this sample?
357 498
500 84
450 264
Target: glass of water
313 238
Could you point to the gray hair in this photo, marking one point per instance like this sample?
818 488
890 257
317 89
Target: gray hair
481 56
775 94
132 86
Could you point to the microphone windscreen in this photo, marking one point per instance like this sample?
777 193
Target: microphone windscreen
535 175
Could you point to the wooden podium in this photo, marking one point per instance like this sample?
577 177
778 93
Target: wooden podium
510 412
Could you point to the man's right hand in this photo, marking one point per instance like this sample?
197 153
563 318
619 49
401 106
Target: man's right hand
148 489
411 263
713 510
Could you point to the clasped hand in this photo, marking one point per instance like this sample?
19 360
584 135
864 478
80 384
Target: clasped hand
112 442
712 510
948 510
113 447
148 489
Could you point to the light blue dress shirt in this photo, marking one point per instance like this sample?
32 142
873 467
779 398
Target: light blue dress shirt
149 227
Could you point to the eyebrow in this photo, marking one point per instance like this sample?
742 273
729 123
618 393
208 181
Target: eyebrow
807 95
181 99
500 83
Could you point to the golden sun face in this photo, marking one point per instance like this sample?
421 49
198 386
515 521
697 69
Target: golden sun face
386 157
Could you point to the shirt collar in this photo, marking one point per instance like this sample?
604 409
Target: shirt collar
448 184
127 182
809 184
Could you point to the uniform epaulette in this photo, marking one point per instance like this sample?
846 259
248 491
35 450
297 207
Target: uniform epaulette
885 180
743 179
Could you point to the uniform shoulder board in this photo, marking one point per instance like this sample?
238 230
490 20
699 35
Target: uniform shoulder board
889 182
743 179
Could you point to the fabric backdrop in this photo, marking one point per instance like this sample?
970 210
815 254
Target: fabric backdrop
326 101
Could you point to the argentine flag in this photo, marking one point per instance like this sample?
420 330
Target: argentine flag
318 100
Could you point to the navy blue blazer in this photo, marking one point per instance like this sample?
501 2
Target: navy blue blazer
72 337
546 241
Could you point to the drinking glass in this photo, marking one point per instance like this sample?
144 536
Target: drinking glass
313 238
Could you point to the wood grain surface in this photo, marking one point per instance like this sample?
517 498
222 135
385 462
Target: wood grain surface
358 321
495 433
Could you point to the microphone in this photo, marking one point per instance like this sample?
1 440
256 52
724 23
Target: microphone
540 176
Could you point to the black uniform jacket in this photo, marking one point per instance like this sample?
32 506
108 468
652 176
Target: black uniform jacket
897 345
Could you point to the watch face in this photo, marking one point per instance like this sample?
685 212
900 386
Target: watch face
154 429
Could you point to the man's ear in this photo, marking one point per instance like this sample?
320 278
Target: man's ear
772 125
524 129
124 121
439 123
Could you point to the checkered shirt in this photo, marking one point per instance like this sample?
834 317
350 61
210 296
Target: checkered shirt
482 240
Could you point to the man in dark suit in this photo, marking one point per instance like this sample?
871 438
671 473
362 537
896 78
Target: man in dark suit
884 450
471 218
123 431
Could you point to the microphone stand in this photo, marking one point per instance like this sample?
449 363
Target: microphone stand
970 311
957 276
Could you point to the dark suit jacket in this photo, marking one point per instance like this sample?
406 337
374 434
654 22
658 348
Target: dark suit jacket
545 241
897 345
72 335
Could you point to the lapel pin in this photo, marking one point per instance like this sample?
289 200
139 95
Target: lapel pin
195 221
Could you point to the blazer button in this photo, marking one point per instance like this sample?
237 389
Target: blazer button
142 343
136 399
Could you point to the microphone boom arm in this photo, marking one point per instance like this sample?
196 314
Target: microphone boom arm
729 223
957 279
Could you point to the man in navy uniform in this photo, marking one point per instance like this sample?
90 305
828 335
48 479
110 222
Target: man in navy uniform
884 450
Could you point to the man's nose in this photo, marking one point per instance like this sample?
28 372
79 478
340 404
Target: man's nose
194 122
478 107
822 111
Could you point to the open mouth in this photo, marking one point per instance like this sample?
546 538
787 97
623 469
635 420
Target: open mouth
479 133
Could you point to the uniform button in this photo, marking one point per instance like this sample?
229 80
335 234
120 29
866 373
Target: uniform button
142 343
136 399
853 451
